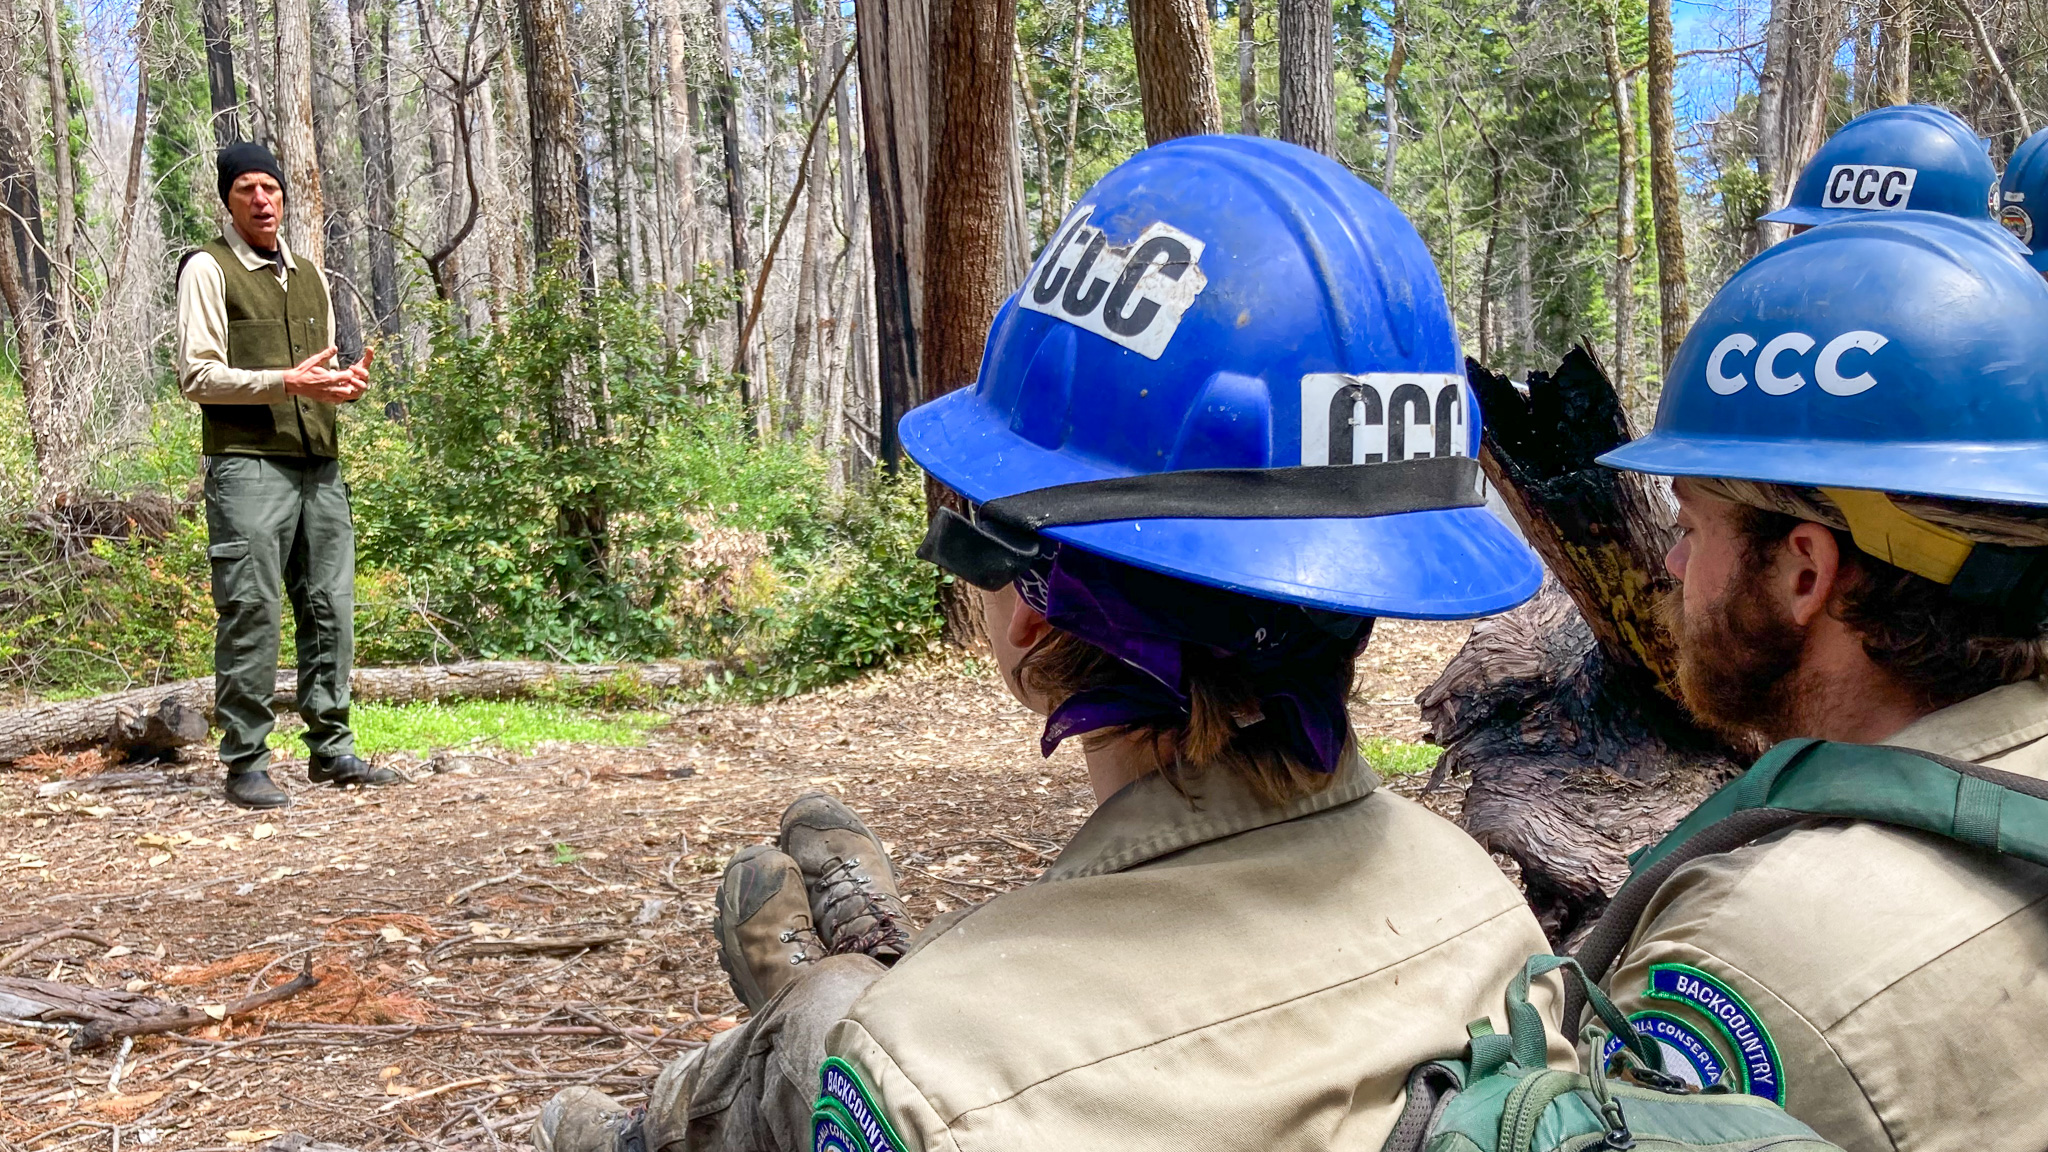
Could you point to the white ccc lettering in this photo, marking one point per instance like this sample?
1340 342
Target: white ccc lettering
1772 358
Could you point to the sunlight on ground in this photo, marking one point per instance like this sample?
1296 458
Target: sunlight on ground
1398 757
514 725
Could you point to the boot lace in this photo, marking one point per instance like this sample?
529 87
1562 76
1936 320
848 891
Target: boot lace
843 883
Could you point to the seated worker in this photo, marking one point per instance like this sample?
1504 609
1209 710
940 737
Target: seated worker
1859 425
1906 156
1221 427
2023 198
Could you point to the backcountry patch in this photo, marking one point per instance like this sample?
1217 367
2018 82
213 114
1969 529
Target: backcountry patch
1740 1026
1687 1054
846 1118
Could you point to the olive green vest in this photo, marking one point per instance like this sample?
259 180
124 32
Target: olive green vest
270 326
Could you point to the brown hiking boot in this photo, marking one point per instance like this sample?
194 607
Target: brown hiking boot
854 899
582 1119
763 924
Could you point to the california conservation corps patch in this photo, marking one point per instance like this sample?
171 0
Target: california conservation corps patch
1740 1028
1687 1054
846 1119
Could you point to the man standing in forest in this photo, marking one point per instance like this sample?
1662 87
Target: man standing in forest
255 349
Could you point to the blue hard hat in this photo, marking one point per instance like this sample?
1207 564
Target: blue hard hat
1902 352
2023 198
1912 156
1236 314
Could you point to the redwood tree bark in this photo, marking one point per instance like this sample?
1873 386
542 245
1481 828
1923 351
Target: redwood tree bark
1176 77
965 273
1308 80
298 153
1666 204
895 70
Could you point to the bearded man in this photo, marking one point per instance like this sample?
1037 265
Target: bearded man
1859 424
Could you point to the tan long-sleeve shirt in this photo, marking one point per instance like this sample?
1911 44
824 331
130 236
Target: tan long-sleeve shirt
1232 977
204 374
1889 987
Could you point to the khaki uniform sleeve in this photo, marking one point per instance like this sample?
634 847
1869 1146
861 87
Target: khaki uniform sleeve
901 1119
1675 979
203 372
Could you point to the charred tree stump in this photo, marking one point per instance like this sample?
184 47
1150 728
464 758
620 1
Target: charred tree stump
156 733
1564 711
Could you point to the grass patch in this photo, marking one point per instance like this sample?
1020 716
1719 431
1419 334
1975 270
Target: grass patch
513 725
1398 757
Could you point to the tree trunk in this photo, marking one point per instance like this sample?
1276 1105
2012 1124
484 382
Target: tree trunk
803 330
895 67
1176 77
1564 710
560 230
1892 79
1028 93
726 94
1072 140
338 227
1390 89
23 193
70 724
372 63
1247 68
1308 80
1619 84
1674 314
1770 98
220 72
138 141
681 141
1992 64
298 151
63 176
258 78
965 274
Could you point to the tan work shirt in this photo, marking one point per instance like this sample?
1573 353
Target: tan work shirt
1228 977
204 375
1895 984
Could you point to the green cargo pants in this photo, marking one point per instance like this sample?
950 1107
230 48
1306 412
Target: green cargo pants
270 521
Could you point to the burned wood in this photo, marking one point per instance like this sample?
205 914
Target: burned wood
156 733
1565 711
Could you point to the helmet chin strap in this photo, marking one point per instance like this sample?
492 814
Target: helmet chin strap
1990 575
1001 541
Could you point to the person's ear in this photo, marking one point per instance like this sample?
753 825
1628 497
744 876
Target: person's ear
1027 625
1809 567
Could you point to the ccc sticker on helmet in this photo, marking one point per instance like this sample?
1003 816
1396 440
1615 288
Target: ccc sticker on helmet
1872 187
1133 295
1381 416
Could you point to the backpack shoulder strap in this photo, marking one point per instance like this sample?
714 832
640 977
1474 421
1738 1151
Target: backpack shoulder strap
1799 780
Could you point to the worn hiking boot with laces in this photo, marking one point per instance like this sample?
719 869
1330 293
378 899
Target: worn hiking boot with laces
582 1119
854 899
763 924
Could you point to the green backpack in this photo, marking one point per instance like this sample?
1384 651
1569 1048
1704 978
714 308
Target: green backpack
1500 1097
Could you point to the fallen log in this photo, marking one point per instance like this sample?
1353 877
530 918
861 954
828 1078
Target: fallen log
1565 712
73 724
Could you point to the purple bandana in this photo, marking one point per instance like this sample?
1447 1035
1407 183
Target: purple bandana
1153 622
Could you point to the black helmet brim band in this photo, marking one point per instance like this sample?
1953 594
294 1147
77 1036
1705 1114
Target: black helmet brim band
1001 542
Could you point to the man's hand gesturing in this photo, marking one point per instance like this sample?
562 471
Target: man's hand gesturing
331 386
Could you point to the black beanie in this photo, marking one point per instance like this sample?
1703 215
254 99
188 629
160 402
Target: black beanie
236 159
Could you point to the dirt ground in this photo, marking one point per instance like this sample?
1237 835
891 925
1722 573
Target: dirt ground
506 925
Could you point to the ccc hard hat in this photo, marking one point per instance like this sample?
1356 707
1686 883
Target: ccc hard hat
1912 156
2023 198
1233 363
1902 352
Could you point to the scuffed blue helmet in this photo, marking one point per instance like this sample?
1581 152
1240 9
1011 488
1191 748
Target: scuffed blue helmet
2023 198
1233 363
1911 156
1902 352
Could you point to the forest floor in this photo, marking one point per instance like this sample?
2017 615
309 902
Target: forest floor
508 924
